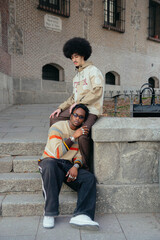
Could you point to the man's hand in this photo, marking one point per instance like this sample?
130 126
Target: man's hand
80 131
72 174
56 112
71 107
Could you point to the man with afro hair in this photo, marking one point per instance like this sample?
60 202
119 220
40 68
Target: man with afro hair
88 89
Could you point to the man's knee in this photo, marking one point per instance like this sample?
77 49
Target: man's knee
49 164
89 178
83 138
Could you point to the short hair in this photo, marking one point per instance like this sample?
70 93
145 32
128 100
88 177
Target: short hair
77 45
80 105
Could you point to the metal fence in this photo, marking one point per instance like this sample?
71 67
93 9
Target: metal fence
129 97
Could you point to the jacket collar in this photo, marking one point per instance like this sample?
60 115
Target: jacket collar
86 64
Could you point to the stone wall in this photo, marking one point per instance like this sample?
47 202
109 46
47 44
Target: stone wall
6 91
6 83
126 159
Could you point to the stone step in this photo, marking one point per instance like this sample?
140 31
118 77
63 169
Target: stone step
20 182
33 204
22 147
23 182
6 164
19 164
25 164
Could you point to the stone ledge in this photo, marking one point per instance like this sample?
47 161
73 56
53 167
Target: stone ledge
126 129
128 198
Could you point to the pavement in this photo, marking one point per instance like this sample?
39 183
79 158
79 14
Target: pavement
22 122
112 227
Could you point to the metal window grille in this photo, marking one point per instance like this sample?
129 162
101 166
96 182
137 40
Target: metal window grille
114 15
110 78
59 7
151 81
154 19
50 72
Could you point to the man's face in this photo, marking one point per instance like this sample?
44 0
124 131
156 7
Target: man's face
77 59
77 117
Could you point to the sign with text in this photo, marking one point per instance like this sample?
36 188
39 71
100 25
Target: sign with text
53 23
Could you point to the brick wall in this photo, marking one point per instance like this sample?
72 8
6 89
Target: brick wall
32 45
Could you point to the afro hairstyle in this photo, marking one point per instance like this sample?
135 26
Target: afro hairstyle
77 45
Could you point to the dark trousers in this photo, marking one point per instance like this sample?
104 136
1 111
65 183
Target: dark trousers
53 172
84 141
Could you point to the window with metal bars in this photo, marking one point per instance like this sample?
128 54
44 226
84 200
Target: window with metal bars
114 15
112 78
154 20
50 72
59 7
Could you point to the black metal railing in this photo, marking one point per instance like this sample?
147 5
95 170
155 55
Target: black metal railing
120 104
58 7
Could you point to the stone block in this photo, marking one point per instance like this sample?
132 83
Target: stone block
6 164
53 86
1 96
45 97
21 148
16 84
106 162
23 97
140 166
33 204
1 80
22 205
159 174
138 198
6 96
30 84
126 130
25 164
20 182
1 200
127 163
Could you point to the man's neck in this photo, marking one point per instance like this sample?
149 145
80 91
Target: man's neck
72 126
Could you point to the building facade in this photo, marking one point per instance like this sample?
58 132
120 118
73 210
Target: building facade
124 34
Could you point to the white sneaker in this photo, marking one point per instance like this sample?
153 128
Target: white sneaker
83 221
48 222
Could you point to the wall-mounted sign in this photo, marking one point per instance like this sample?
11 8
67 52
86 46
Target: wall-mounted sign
53 23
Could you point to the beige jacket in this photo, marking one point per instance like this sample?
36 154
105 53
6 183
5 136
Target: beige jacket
88 88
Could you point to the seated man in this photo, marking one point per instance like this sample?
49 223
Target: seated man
88 89
62 162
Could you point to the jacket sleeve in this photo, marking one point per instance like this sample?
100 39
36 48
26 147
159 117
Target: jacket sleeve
78 159
92 96
67 103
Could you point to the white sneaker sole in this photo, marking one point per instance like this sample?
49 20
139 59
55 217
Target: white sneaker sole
48 227
85 226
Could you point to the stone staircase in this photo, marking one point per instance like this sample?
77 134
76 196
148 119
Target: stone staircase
126 157
20 188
